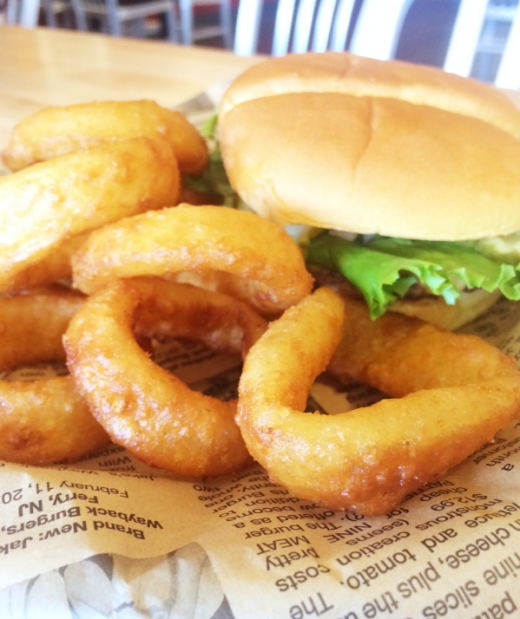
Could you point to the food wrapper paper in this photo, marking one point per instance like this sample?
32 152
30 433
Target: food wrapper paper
109 537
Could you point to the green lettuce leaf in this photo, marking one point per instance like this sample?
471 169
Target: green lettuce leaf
384 269
213 180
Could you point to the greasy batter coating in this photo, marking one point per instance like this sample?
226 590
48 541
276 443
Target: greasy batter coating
399 355
44 207
142 406
215 247
369 459
41 421
55 267
55 131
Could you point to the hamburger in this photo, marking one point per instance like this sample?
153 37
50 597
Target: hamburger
402 180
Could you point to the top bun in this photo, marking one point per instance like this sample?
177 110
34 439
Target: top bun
337 141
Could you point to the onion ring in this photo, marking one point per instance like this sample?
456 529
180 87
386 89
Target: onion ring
369 459
142 406
400 355
235 252
45 206
53 268
55 131
41 421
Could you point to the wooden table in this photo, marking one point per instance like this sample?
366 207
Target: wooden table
41 66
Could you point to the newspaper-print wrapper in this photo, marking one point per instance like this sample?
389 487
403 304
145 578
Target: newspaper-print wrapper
110 538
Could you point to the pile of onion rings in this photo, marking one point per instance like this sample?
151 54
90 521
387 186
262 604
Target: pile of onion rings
101 207
369 459
83 169
41 421
143 407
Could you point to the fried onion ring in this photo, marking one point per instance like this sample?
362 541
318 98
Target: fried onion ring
55 131
55 267
42 208
369 459
399 355
41 421
235 252
142 406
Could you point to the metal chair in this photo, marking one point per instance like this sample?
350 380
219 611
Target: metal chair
508 74
378 28
304 25
26 13
115 17
116 14
475 32
190 34
319 25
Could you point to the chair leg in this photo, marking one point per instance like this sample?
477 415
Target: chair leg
114 23
225 22
137 28
68 22
79 15
49 14
29 12
13 11
186 11
171 25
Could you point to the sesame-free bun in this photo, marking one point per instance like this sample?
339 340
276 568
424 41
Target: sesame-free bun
359 76
347 143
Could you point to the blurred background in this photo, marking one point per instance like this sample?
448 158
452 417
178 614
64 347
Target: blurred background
424 37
